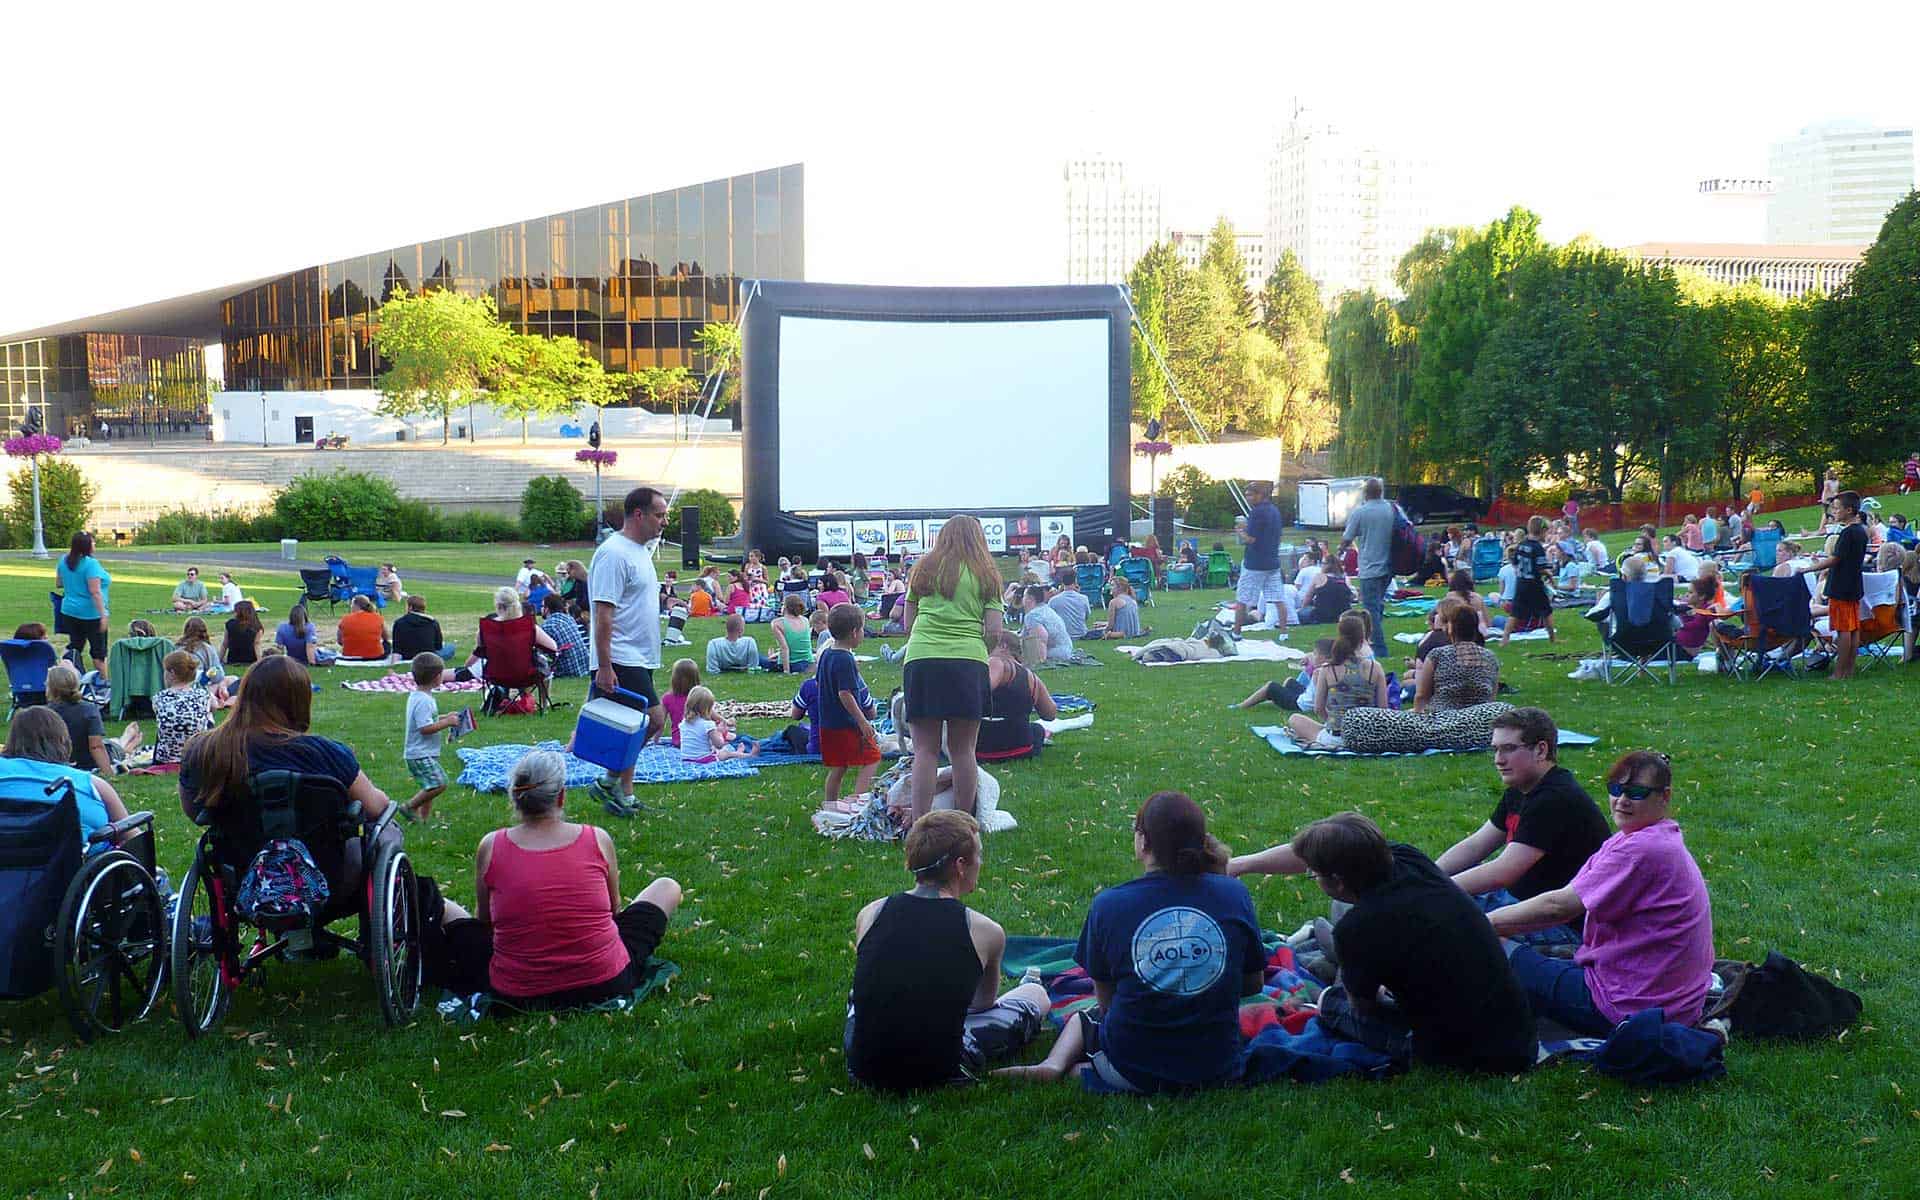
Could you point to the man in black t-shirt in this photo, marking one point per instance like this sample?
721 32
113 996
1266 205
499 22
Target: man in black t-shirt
1414 934
1845 585
1545 821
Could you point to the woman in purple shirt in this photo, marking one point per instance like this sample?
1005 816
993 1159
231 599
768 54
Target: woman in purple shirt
1647 941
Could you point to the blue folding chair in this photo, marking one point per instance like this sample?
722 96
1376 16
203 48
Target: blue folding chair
1181 576
1488 558
1779 624
1138 572
27 665
1766 549
1117 553
1092 578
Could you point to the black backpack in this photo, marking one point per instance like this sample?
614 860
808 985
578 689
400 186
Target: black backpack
1409 545
1779 999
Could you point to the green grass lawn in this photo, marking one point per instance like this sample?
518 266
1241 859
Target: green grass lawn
1795 797
501 558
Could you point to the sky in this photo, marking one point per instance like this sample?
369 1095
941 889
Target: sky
157 150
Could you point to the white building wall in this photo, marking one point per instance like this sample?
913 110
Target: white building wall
1191 245
1110 223
239 417
1836 181
1346 206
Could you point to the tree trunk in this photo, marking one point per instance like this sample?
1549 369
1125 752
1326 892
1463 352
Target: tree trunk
446 425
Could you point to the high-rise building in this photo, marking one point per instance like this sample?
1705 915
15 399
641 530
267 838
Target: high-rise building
1110 222
1348 206
1192 247
1837 180
1787 271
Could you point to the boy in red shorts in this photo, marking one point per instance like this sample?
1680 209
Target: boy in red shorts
1845 585
847 737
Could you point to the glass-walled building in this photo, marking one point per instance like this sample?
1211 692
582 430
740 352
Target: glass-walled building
633 280
136 385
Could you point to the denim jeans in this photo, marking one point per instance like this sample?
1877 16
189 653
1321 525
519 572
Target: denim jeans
1373 598
1557 990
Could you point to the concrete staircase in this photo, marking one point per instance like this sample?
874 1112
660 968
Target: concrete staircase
137 483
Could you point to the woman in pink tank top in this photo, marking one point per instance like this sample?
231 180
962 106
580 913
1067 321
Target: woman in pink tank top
550 888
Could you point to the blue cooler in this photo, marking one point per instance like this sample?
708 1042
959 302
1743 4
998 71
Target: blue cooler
610 735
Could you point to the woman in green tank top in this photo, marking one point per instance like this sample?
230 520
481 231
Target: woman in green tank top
793 636
953 610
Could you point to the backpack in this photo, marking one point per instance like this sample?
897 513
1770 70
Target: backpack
1409 547
1778 998
281 883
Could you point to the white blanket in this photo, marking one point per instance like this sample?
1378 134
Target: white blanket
1247 652
1531 635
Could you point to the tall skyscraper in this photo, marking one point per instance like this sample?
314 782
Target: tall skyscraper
1110 223
1836 181
1345 204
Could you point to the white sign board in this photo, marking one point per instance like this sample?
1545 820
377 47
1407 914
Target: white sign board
905 537
870 536
931 531
996 530
835 538
1052 529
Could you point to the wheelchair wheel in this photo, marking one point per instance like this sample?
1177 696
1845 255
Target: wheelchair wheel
110 943
200 992
394 933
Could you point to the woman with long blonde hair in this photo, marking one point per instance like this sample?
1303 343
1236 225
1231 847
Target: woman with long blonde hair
953 612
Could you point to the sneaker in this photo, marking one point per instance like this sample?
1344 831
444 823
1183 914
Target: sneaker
603 791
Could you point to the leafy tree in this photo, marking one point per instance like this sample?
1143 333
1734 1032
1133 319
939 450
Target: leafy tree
1152 282
1222 257
1755 379
537 376
719 343
66 502
552 509
1466 301
1291 388
1369 383
1863 349
671 386
1203 354
442 347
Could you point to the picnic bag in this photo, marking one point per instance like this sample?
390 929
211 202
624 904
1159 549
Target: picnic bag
282 882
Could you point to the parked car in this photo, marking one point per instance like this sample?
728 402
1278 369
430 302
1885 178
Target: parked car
1426 502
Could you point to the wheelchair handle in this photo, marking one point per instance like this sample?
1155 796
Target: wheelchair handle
124 825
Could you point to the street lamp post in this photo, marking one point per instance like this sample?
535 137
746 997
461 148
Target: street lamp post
39 532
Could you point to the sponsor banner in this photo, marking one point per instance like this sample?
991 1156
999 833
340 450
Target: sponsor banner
931 530
996 530
1023 533
835 538
1052 529
870 535
905 537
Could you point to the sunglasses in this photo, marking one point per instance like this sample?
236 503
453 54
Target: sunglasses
1635 792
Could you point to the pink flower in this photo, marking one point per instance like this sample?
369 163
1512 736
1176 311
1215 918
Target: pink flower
1153 447
33 444
599 458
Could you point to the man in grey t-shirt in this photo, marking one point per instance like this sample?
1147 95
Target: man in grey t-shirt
1042 629
1072 605
1370 529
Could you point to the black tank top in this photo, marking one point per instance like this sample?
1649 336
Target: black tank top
1333 598
914 977
1011 708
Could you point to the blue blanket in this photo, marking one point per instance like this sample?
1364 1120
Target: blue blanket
485 768
1277 737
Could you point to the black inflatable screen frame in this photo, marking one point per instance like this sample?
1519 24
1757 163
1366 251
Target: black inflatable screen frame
768 527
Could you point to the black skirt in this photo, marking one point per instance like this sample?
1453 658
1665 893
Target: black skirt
946 689
1530 601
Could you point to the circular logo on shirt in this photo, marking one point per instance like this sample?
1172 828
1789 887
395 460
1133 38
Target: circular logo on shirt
1179 951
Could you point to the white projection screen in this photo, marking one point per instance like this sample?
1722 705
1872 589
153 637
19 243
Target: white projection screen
979 414
882 406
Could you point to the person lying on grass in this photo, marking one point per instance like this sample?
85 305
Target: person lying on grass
1647 926
925 1009
1170 954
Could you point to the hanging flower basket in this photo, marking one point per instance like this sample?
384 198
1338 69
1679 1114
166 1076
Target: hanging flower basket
1152 448
599 458
32 445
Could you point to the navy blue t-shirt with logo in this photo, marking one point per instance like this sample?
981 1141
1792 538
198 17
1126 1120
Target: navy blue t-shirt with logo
1177 950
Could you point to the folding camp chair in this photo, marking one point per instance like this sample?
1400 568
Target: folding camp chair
137 666
27 665
1139 572
1883 621
1488 557
1779 623
1117 553
319 586
1092 578
1639 627
1765 544
1219 569
510 666
361 582
1181 576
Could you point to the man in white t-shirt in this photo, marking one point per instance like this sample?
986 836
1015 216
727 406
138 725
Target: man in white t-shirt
624 650
1597 552
1309 568
523 578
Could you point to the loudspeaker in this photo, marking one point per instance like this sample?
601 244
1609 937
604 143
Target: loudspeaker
690 536
1163 523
